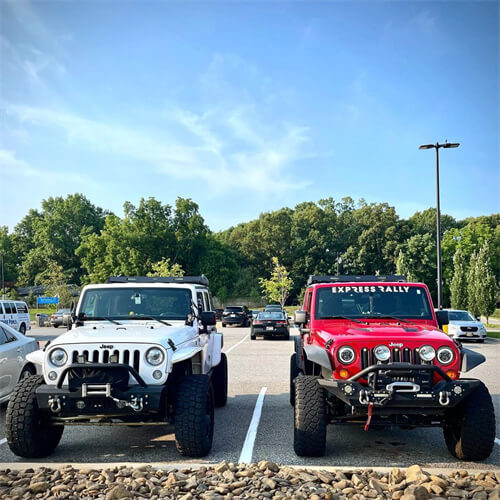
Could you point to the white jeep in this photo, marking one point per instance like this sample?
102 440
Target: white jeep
139 351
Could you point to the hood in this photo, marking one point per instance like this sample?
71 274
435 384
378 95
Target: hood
146 332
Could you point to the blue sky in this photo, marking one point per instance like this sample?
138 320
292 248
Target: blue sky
248 107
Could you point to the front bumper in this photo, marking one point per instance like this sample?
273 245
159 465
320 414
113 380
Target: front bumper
401 395
468 335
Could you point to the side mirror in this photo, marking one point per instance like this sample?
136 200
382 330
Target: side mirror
478 318
442 318
208 318
300 317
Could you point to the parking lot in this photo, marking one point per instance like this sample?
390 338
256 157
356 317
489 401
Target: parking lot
262 367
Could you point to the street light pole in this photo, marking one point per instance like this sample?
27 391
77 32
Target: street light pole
436 146
3 279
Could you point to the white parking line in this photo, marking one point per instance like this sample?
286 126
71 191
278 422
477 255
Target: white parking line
247 450
236 345
3 441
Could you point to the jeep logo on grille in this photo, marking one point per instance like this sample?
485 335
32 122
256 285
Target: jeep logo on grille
106 346
396 344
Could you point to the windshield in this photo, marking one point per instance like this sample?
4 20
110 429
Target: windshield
372 301
271 315
233 309
123 303
460 316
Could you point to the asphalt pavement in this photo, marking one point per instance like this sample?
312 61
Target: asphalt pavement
259 373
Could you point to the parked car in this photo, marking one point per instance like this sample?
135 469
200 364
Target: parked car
14 366
15 314
371 351
218 314
142 350
236 315
463 326
270 324
273 307
255 314
60 318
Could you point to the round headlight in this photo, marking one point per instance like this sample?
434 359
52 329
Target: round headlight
427 353
58 357
445 355
346 355
382 352
155 356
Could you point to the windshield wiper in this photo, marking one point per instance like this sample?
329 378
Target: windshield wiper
343 317
142 316
388 316
95 318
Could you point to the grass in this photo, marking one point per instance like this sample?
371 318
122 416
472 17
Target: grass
42 310
494 335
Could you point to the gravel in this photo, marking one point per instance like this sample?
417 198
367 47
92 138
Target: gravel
261 480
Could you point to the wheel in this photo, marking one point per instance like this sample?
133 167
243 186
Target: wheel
28 371
22 329
309 436
55 326
194 416
219 382
287 335
223 325
480 341
29 433
469 427
294 372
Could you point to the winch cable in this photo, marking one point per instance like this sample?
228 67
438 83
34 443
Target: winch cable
370 413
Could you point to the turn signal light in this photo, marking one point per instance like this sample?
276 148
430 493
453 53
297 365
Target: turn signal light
452 374
343 373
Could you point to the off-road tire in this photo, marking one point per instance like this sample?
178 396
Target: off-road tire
28 432
194 416
309 436
469 427
28 371
294 373
219 382
22 329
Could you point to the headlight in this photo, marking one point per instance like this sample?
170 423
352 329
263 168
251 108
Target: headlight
427 353
58 357
155 356
445 355
346 355
382 352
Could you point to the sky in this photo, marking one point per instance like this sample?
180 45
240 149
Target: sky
247 107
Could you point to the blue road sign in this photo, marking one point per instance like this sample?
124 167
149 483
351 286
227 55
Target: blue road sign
47 300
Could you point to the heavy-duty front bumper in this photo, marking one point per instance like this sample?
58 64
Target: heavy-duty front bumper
403 394
100 395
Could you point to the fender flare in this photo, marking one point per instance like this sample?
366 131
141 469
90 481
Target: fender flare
471 359
36 357
183 354
318 355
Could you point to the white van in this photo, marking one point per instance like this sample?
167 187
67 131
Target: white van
15 314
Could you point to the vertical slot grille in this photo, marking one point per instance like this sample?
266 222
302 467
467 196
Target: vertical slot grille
416 357
406 355
126 358
396 355
364 358
136 360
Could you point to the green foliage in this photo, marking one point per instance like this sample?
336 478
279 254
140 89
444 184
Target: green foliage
487 285
473 285
278 286
458 286
164 268
55 284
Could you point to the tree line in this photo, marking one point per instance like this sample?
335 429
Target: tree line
88 243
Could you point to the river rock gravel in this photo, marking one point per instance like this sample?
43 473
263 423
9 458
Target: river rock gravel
261 480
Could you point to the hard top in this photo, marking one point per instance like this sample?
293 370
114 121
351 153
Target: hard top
190 280
355 278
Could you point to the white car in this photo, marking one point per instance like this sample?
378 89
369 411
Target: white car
13 363
15 314
463 326
140 351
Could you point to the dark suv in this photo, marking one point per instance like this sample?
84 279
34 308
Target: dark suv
236 315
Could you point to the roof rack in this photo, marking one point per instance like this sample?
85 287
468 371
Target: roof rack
191 280
346 278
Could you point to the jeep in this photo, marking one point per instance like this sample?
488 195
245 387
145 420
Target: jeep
139 351
371 352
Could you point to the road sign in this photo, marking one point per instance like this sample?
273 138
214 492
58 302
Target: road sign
47 300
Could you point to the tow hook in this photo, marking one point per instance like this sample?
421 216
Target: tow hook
369 418
363 397
444 398
54 404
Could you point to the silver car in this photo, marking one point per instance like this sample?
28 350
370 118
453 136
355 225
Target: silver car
463 326
13 364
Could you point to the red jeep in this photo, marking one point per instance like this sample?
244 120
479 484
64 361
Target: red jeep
371 351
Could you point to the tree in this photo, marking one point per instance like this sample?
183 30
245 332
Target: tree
487 286
164 268
458 285
278 286
473 286
55 284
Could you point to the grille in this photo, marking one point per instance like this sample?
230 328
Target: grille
397 356
125 356
468 328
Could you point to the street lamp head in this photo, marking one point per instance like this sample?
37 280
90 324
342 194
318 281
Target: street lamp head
427 146
450 145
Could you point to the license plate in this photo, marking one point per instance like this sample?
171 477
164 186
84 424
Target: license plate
470 334
268 328
233 315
